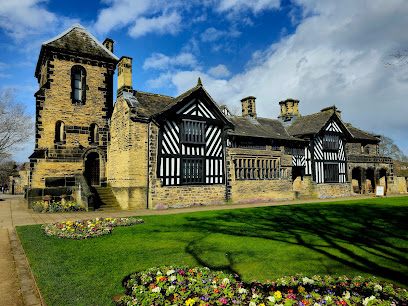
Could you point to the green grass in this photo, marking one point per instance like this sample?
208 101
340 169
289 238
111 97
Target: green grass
358 237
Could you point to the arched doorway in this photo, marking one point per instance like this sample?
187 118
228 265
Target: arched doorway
92 169
356 180
297 178
370 180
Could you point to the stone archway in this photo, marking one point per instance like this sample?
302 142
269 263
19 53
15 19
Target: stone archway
370 180
356 175
93 169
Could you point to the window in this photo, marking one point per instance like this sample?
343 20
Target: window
331 173
257 169
59 132
78 84
192 171
193 132
330 142
94 133
295 151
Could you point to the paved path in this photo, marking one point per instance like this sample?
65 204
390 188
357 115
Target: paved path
20 288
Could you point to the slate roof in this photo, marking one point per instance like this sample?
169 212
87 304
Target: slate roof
310 124
261 127
152 105
78 39
361 135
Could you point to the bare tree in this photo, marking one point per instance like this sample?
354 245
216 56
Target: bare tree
15 125
388 148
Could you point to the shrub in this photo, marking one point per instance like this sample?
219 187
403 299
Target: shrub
56 206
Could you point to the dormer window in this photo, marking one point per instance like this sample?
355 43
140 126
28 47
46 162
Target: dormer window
78 85
193 132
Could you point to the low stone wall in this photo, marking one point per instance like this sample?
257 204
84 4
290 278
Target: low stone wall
173 195
334 189
36 194
401 184
131 197
261 189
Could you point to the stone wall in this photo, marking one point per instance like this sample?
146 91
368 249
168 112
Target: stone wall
259 189
333 189
54 103
77 118
45 168
401 184
127 158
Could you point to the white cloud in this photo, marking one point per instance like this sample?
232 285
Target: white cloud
28 18
242 5
161 62
142 16
335 57
162 81
212 34
219 71
162 24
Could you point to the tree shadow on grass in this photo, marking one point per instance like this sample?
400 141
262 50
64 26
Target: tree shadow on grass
367 238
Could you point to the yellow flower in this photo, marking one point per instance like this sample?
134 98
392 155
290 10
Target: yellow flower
190 302
301 289
262 304
278 294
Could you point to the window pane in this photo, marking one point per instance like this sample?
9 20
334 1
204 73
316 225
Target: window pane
77 94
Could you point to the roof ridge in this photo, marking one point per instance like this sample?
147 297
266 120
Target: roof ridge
155 94
82 28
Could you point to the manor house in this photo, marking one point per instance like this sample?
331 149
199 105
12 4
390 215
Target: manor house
149 149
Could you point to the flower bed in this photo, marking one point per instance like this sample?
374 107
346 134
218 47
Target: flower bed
83 229
201 286
56 206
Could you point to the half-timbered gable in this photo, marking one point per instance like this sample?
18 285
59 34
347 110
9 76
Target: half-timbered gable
192 141
325 157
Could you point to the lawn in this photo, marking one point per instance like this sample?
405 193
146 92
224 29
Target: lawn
358 237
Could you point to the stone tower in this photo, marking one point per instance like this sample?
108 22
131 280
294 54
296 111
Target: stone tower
73 105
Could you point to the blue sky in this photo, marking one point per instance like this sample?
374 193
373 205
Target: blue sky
321 52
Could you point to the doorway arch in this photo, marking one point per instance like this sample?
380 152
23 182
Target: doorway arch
93 169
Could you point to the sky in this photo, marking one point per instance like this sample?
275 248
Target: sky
322 52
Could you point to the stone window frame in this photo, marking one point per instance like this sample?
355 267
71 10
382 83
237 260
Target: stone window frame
78 70
93 134
255 168
60 132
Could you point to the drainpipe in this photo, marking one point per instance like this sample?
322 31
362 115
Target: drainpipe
148 164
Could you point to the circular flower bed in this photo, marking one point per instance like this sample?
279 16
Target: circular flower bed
90 228
201 286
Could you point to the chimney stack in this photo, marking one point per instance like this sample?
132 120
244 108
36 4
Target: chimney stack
108 44
248 107
289 111
124 75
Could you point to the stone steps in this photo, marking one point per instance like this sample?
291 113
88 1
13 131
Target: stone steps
107 198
